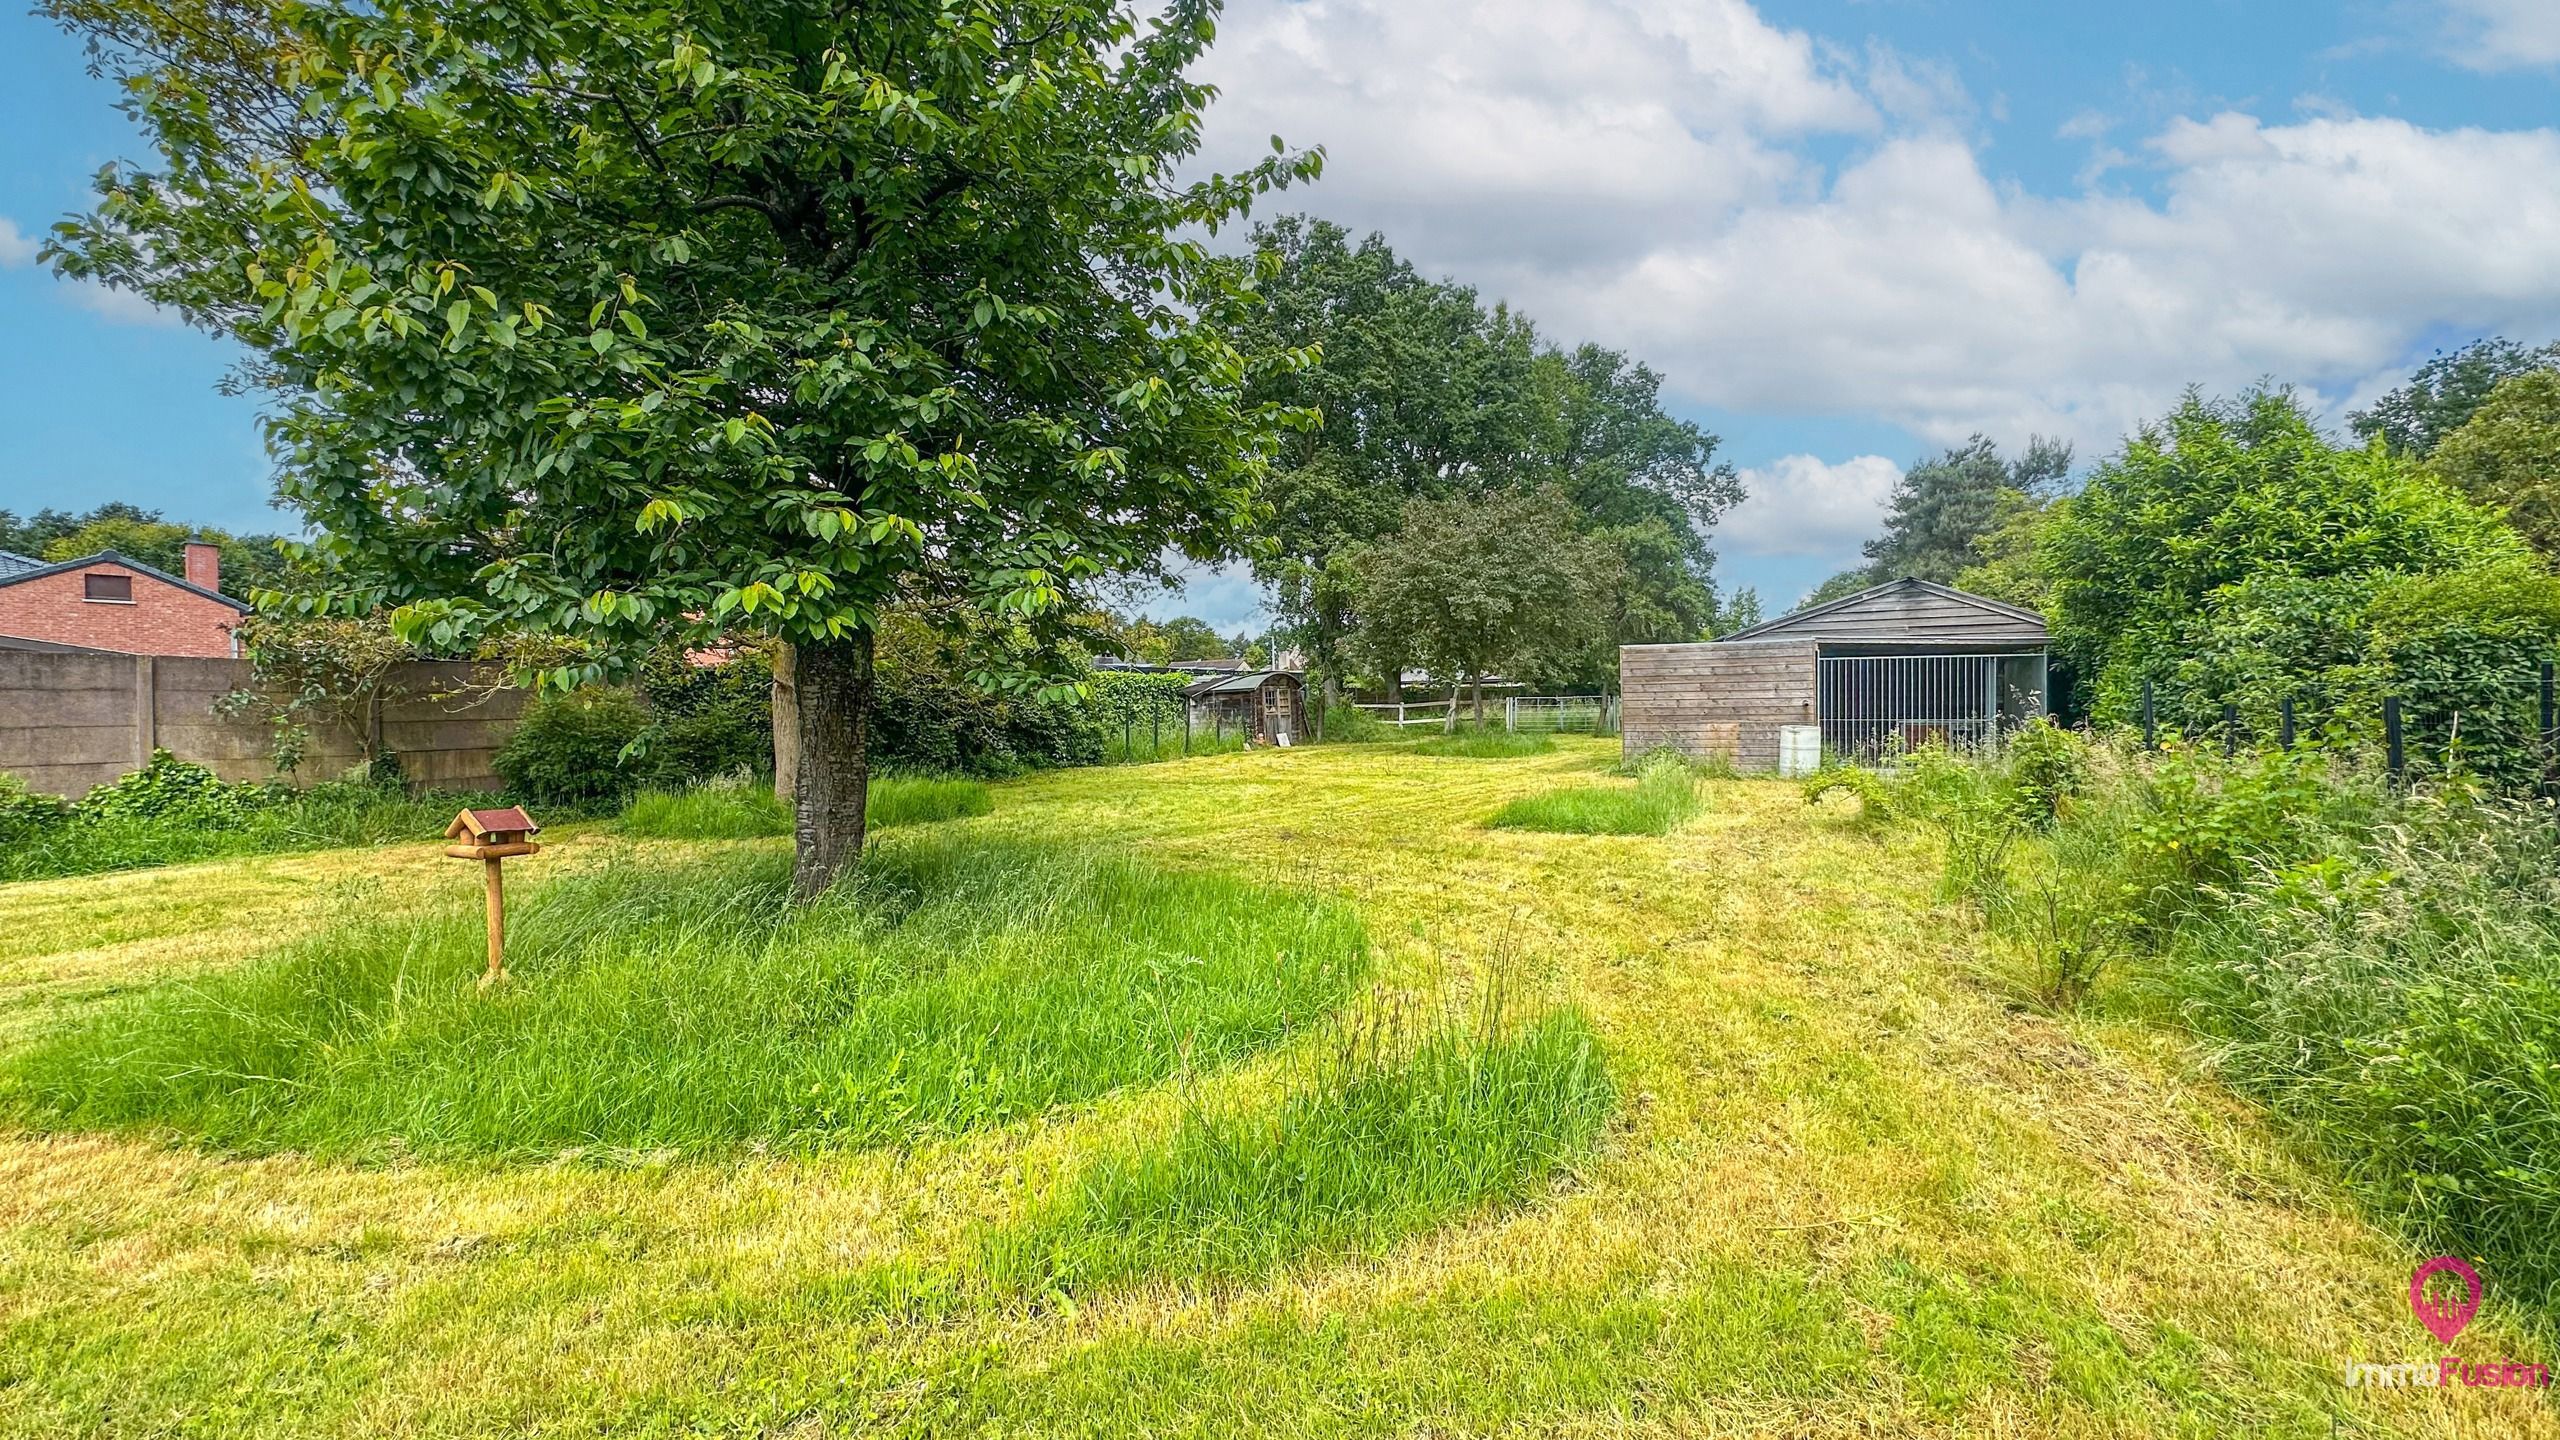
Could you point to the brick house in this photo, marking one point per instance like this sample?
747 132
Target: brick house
108 602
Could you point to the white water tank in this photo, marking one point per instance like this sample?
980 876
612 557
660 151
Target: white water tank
1799 750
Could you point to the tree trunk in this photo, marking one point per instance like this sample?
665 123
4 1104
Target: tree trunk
1395 685
1475 687
833 681
786 724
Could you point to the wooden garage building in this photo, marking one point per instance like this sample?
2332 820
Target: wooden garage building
1890 669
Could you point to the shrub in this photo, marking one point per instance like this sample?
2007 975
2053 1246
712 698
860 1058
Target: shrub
2044 767
706 721
1348 724
175 791
24 813
569 750
1870 790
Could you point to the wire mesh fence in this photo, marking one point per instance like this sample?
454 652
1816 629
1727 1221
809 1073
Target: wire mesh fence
1561 714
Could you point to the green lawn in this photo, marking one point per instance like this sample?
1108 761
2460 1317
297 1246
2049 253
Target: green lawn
1731 1129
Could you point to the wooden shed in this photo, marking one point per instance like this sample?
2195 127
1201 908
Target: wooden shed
1905 664
1267 707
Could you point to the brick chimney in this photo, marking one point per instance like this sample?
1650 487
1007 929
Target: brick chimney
204 565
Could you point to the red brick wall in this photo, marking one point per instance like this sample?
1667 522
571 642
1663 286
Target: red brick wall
162 620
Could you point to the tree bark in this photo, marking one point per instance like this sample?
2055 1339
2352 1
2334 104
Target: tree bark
833 681
786 724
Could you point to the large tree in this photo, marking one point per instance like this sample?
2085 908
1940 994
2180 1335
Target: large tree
1473 585
2239 527
634 324
1945 504
2445 392
1427 392
2507 456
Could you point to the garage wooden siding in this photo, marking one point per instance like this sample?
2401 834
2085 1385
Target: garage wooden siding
1716 699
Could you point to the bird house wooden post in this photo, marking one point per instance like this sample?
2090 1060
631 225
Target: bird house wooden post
490 836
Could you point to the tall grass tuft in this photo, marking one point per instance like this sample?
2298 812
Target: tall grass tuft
707 812
2381 970
726 810
1664 795
1486 744
957 984
922 799
1385 1139
2399 1006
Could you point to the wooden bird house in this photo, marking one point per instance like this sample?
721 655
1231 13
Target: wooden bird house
491 836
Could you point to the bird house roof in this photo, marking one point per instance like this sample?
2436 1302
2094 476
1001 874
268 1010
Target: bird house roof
480 824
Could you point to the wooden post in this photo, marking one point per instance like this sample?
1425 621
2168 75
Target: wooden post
2284 723
2230 731
2150 720
492 876
490 836
2394 754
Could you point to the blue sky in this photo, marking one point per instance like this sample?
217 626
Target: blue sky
1847 231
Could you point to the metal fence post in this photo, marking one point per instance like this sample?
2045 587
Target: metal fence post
2150 720
2284 723
1510 713
2394 755
1155 733
2230 731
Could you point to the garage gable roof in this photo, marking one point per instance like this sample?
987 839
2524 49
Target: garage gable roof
1909 611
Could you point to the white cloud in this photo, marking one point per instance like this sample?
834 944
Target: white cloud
2503 34
1801 505
1670 178
122 306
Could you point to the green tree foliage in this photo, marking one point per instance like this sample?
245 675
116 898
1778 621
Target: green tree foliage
1427 393
2004 557
1944 506
1477 585
2507 455
2462 650
249 562
648 326
1164 642
2234 535
1838 586
2445 392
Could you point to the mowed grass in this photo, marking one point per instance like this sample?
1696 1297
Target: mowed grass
1486 744
747 811
1848 1184
1663 795
959 985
